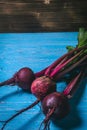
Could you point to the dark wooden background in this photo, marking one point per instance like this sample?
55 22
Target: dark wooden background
42 15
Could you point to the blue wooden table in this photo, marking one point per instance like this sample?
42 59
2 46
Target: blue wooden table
36 50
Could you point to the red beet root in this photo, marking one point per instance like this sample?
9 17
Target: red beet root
23 78
57 101
43 86
55 106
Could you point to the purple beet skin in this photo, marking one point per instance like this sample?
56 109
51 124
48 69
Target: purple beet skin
23 78
57 101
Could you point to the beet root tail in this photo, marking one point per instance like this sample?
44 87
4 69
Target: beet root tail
7 82
46 122
21 111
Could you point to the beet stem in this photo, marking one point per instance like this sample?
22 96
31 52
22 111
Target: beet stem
72 86
21 111
54 64
70 68
64 64
8 82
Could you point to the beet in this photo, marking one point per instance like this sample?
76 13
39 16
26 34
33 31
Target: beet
57 101
55 106
42 86
23 78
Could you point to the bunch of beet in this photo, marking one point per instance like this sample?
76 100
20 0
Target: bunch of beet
55 105
44 87
43 84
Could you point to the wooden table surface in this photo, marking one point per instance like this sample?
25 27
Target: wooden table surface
42 15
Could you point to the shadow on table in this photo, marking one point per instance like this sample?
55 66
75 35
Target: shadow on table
12 94
30 122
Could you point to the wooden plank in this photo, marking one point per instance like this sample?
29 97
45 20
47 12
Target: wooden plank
42 15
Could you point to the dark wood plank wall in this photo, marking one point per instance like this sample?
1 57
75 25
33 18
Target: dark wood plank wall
42 15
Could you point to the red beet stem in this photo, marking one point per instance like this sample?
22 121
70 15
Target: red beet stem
21 111
62 73
73 85
56 70
54 64
8 82
62 61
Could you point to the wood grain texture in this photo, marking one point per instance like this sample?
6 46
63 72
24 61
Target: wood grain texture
42 15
